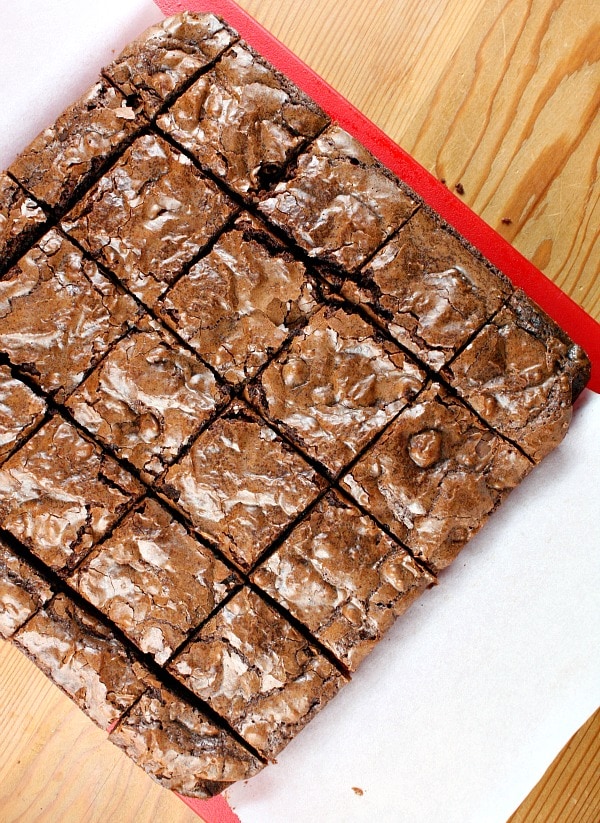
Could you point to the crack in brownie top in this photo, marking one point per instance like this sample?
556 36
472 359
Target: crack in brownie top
254 395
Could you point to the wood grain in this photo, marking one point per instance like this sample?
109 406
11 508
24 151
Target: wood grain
501 96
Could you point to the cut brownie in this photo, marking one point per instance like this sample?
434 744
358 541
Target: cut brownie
431 291
521 374
238 304
60 493
343 578
153 580
20 412
22 590
67 155
158 64
180 747
59 315
243 121
339 204
336 386
149 216
84 658
435 476
147 399
241 485
258 672
21 218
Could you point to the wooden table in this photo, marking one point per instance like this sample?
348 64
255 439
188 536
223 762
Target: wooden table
499 96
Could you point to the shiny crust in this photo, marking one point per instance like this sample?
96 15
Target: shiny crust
59 494
22 591
336 386
435 476
156 65
20 219
84 659
343 578
181 748
238 304
66 155
521 374
20 412
240 485
339 204
244 121
149 216
259 672
153 580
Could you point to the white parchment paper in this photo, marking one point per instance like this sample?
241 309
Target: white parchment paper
458 712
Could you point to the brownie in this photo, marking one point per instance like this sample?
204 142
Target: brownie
238 304
256 670
60 493
147 399
429 289
343 578
153 580
336 386
66 156
84 658
522 373
338 203
161 61
435 476
21 218
149 216
240 485
59 315
243 121
21 410
180 747
22 590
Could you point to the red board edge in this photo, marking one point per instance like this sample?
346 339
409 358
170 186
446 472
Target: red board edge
581 327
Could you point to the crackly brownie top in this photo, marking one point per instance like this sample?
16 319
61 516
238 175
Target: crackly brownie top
156 65
243 120
254 395
258 671
238 304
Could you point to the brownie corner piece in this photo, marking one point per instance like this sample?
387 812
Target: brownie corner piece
22 590
156 65
258 672
522 373
180 747
21 219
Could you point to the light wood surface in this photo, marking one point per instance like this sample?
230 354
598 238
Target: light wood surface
501 96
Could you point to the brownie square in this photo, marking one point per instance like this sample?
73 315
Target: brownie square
156 65
240 485
238 304
343 578
59 315
67 155
20 412
84 658
20 219
435 476
180 748
60 493
338 203
521 373
22 591
258 672
149 216
147 399
153 580
243 120
429 289
336 386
